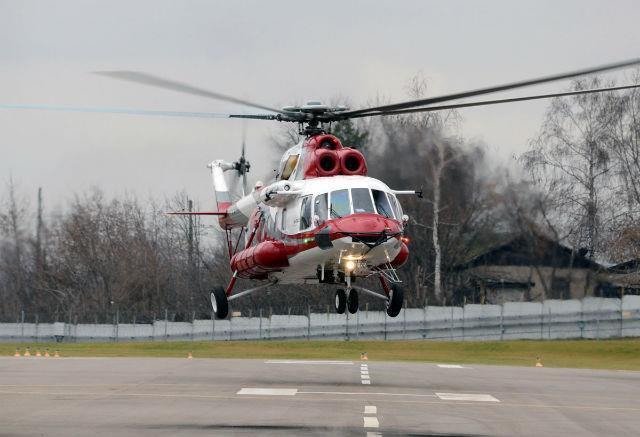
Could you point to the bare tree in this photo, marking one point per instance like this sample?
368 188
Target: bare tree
570 160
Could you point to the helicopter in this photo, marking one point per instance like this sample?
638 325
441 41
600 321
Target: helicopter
322 220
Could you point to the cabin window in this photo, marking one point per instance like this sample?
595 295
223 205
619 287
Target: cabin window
382 203
283 223
361 198
305 213
340 205
320 208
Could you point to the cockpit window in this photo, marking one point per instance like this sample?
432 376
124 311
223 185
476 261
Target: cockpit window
361 200
340 205
289 166
396 206
320 206
305 213
382 203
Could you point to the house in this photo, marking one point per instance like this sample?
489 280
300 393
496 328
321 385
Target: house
525 267
620 279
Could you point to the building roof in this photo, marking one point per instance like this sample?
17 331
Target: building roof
631 266
531 249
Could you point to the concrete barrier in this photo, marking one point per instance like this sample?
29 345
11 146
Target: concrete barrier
551 319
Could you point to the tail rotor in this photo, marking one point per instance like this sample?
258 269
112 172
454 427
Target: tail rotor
242 166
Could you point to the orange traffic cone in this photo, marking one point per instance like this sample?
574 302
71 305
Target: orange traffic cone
38 354
190 356
56 354
46 353
17 354
363 356
539 362
27 353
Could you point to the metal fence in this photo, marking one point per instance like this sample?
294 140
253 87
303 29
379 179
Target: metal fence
551 319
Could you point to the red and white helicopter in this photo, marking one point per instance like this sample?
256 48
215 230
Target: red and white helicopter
322 220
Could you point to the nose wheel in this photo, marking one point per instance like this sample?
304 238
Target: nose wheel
352 301
219 303
341 301
346 301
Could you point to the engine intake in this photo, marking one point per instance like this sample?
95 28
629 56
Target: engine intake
327 162
352 163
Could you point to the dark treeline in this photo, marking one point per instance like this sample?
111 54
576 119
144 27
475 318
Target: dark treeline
102 258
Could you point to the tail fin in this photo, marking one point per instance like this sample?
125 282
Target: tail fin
221 195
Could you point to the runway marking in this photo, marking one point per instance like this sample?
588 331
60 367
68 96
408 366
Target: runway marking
416 402
466 397
268 391
370 409
338 363
452 366
371 422
363 393
373 434
364 374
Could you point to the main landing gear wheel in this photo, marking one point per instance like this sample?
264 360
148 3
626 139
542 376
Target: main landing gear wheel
219 303
341 301
394 300
352 301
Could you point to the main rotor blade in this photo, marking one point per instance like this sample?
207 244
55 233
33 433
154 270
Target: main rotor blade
132 111
493 89
244 137
494 102
181 87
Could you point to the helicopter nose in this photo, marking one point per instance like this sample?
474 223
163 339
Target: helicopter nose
365 224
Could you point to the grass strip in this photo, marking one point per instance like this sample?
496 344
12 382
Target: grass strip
622 354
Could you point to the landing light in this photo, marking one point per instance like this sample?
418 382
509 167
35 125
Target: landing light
405 240
349 266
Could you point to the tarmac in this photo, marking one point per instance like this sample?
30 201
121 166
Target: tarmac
218 397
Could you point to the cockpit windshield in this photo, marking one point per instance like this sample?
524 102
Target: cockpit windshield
356 200
382 203
362 200
340 205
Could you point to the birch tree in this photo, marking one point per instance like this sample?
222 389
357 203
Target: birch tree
571 161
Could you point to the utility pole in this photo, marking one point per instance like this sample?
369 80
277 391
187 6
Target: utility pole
39 233
190 233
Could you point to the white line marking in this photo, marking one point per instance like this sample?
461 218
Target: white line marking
364 372
363 393
374 434
366 381
466 397
365 377
451 366
345 363
268 391
371 422
370 409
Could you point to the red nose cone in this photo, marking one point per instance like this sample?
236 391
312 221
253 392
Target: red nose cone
365 223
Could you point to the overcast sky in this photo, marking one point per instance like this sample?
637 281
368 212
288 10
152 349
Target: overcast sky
274 52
